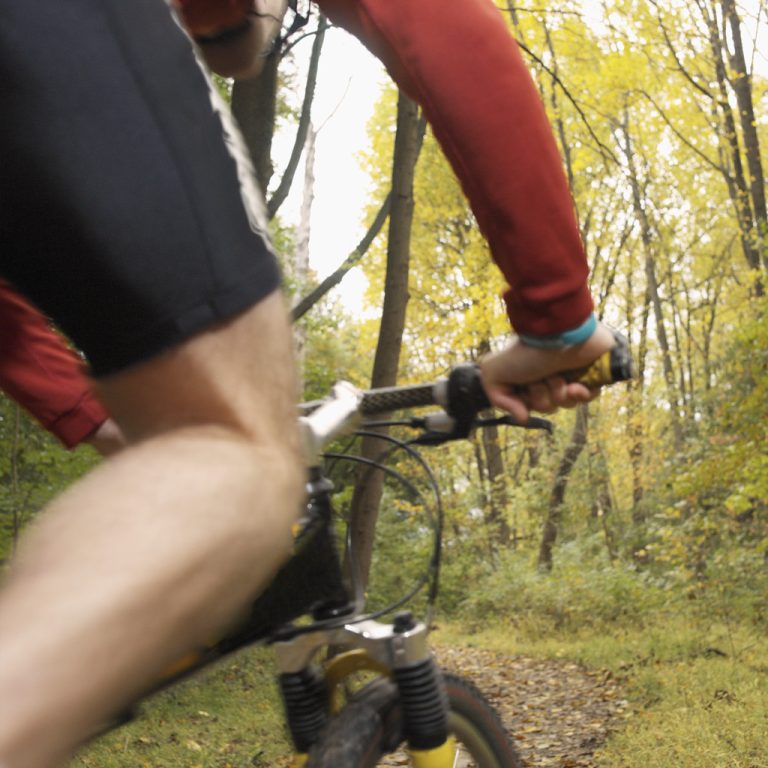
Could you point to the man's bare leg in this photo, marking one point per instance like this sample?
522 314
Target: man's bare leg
156 551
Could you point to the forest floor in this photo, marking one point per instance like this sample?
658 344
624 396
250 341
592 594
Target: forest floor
557 712
693 705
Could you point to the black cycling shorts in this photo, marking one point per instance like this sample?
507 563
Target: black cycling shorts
123 214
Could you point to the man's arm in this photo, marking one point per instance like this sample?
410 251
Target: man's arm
47 379
460 62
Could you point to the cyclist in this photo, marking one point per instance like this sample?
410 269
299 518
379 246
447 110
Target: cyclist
46 378
125 218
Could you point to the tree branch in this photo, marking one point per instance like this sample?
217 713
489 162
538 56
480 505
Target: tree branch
284 187
682 138
683 71
605 150
317 293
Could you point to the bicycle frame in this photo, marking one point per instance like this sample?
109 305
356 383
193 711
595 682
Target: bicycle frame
398 651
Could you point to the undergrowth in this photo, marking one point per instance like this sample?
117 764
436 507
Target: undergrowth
586 590
691 655
228 716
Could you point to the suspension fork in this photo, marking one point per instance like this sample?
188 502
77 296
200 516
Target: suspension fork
399 651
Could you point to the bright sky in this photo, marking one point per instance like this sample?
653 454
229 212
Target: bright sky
349 82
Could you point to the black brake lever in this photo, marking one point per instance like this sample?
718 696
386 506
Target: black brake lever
534 422
435 438
459 432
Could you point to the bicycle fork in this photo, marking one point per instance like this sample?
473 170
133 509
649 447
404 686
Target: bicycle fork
398 651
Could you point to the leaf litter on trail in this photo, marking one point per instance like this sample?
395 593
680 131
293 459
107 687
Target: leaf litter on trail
557 712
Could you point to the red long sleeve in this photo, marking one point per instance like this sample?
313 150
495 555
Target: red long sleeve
42 374
458 60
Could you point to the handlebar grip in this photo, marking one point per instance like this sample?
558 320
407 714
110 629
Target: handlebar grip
388 399
611 367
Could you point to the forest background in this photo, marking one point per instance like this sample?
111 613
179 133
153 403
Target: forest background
635 537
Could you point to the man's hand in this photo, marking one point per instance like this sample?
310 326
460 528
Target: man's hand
107 439
236 38
545 391
207 19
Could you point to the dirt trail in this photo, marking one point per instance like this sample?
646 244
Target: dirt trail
558 713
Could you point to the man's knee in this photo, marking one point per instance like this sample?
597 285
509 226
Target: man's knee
238 375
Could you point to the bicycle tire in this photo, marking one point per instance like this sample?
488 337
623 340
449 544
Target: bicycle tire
370 727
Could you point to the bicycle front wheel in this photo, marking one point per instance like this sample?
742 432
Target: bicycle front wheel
370 727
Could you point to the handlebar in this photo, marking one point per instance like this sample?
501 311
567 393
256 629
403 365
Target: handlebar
461 396
463 390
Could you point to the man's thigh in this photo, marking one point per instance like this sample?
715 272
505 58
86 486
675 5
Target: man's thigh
237 375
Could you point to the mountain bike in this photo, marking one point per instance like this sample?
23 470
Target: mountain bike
316 602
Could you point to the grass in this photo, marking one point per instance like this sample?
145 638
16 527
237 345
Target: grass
698 690
702 712
227 717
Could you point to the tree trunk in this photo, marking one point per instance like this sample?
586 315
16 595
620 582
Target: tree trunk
635 427
254 106
303 128
634 419
646 237
496 512
301 254
741 82
565 145
731 164
557 496
367 496
497 498
602 499
734 167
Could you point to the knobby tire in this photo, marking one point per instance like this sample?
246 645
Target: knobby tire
370 726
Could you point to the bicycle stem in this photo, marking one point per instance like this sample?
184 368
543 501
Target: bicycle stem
384 644
330 418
